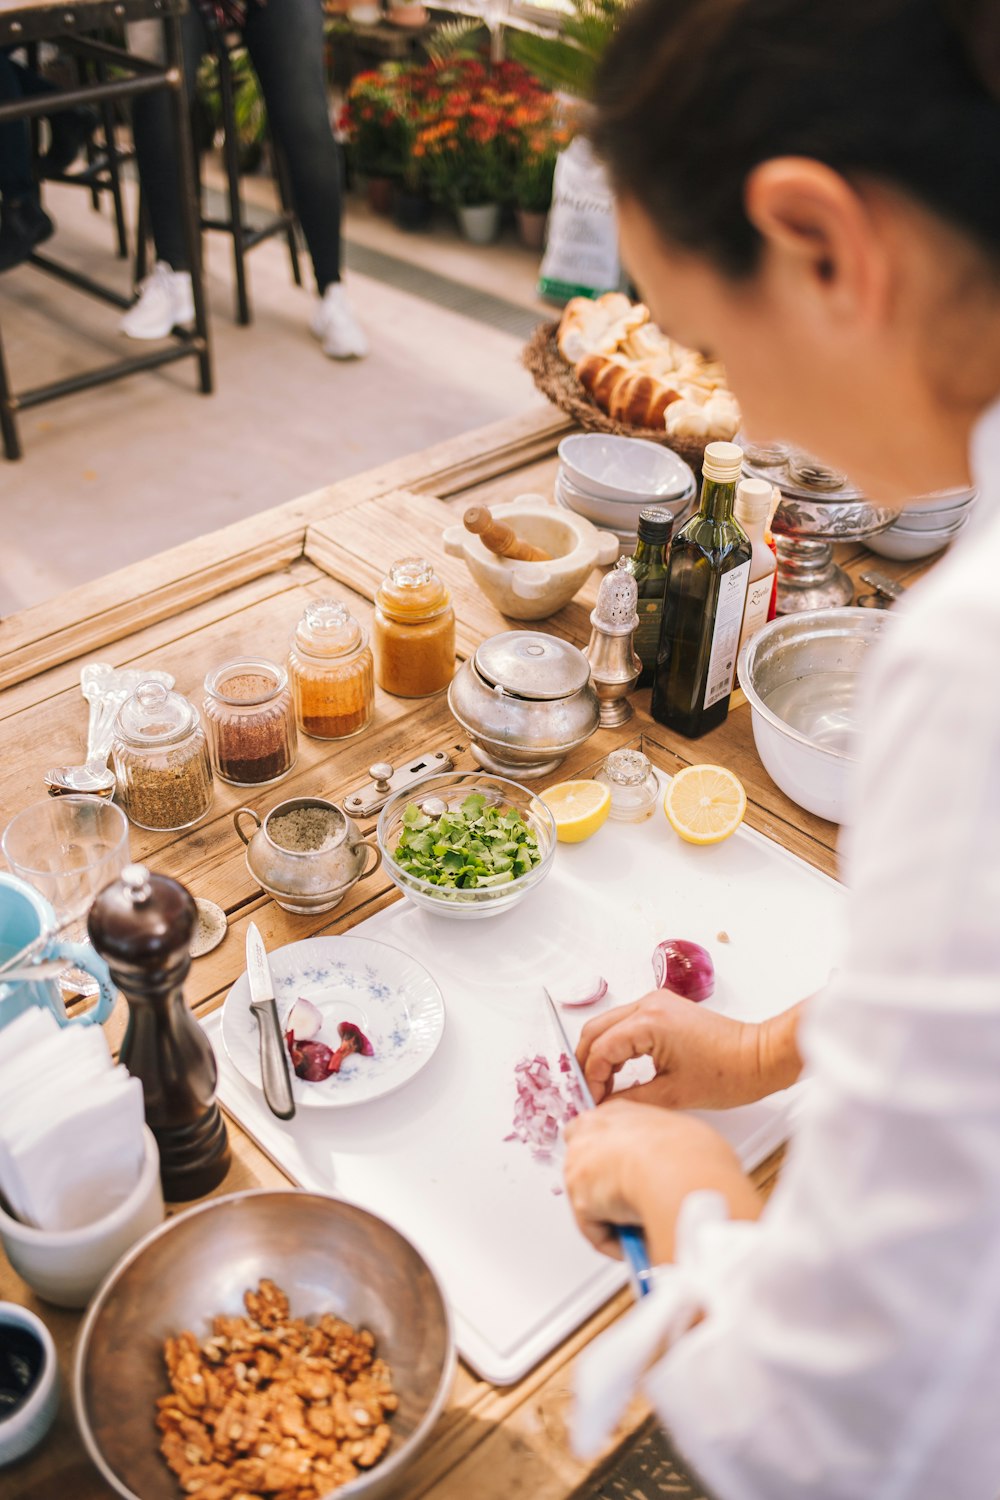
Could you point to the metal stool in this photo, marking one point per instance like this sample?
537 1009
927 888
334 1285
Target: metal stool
244 236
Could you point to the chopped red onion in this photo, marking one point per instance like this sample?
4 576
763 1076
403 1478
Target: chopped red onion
684 967
543 1103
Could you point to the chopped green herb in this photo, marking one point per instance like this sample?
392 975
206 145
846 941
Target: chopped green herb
467 847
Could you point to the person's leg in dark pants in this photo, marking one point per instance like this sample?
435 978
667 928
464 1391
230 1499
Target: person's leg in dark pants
166 299
24 224
70 129
285 42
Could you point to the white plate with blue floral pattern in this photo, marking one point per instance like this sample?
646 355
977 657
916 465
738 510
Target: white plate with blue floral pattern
391 997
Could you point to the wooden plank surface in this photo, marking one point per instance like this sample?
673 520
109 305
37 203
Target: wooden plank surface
245 594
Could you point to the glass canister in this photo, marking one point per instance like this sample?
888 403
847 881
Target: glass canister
332 673
632 783
161 759
414 635
251 728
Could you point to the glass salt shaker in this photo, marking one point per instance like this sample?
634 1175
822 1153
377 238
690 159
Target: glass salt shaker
632 783
251 727
161 759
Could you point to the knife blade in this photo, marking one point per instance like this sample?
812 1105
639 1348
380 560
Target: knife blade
629 1236
274 1076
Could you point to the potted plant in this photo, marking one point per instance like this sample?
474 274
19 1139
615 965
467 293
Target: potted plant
540 142
249 110
377 134
465 142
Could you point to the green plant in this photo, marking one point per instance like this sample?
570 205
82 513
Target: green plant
463 37
569 60
249 109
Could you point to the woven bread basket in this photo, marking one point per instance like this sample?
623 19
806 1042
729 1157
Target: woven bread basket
557 380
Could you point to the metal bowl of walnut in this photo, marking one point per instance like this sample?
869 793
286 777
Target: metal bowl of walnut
268 1343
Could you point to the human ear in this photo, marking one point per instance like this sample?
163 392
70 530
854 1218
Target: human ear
823 233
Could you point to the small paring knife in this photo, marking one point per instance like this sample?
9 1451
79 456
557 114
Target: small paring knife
629 1236
274 1075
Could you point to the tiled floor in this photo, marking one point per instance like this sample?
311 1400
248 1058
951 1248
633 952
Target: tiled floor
116 473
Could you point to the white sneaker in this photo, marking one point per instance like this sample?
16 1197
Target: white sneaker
166 301
335 325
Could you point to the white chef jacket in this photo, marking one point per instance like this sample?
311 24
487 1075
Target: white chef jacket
850 1348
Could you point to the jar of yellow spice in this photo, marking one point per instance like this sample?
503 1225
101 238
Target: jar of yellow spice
330 666
414 634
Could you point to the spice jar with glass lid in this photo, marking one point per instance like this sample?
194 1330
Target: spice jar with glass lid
251 728
161 759
332 674
632 782
414 635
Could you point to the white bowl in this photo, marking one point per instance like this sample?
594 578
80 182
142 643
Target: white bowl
621 468
618 514
910 546
24 1429
931 520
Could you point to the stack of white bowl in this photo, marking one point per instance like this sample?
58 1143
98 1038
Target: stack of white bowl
611 479
925 527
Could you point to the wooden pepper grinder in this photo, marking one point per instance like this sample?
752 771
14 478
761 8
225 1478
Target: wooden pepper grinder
141 925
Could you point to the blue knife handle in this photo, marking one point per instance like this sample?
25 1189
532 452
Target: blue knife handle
633 1243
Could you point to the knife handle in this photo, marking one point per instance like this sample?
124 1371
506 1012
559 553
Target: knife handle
274 1066
633 1244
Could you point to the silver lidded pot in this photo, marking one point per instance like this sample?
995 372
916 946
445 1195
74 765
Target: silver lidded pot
819 506
526 701
306 853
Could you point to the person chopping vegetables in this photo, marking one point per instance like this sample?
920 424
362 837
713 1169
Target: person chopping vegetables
810 190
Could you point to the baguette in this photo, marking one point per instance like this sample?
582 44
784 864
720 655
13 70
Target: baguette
628 396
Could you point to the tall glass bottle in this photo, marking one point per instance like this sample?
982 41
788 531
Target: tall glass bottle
649 569
706 590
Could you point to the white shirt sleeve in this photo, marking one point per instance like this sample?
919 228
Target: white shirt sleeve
852 1350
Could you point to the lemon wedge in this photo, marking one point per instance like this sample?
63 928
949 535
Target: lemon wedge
579 808
705 804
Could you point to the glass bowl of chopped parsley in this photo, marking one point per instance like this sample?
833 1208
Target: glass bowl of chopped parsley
467 844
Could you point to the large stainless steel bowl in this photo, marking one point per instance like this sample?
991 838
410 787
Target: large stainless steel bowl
801 676
328 1256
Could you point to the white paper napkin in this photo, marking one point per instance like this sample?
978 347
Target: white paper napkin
71 1144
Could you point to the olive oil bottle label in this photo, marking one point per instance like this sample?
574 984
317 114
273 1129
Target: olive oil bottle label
646 640
726 635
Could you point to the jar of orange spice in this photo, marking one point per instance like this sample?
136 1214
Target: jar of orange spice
330 665
414 633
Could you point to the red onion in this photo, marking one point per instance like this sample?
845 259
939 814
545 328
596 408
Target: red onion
574 991
543 1103
684 967
304 1020
311 1060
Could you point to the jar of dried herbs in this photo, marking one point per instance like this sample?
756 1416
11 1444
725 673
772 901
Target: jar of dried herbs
161 759
251 727
333 678
414 633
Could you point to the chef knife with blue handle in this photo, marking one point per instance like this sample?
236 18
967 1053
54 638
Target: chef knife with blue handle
629 1236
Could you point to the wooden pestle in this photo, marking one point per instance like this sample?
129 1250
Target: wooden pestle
499 538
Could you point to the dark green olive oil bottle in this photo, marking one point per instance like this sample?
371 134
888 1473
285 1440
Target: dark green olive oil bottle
707 577
649 569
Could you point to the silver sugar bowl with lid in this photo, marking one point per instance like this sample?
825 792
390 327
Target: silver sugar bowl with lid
526 701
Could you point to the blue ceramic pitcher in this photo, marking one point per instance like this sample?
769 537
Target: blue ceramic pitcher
24 916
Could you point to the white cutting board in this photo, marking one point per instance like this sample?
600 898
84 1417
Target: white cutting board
432 1158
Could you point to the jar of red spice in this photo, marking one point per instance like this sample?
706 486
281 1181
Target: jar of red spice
333 678
251 728
414 635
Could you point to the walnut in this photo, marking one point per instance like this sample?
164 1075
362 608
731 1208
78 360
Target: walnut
273 1408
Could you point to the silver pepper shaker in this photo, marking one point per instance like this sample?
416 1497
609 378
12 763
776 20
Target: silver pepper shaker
614 666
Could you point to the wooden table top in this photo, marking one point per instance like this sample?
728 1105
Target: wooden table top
243 588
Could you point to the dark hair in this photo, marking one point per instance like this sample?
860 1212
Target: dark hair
692 94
